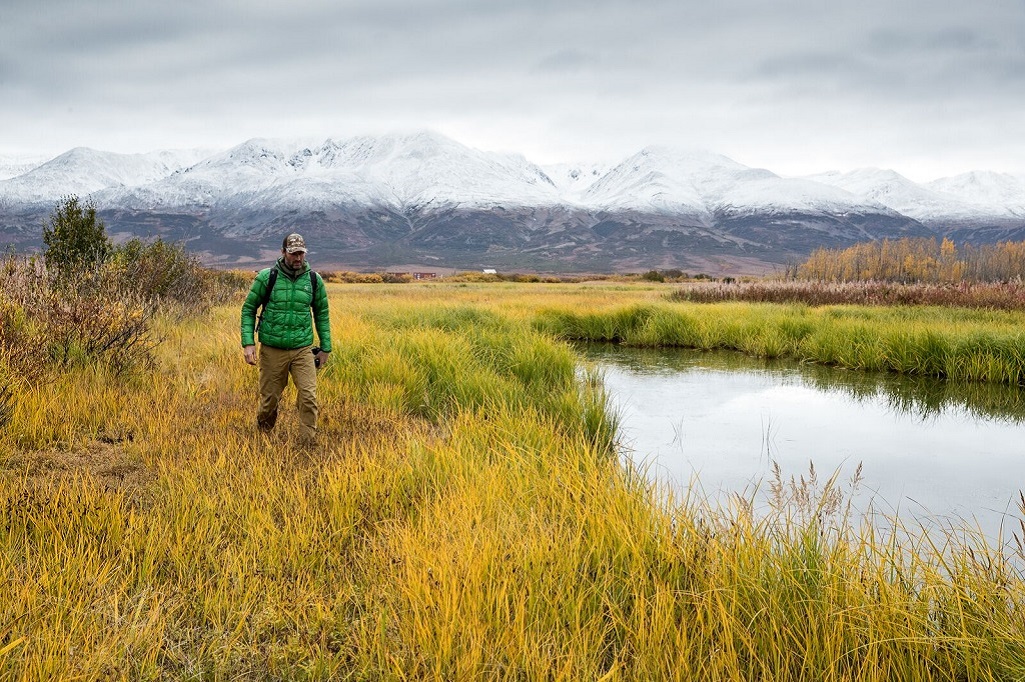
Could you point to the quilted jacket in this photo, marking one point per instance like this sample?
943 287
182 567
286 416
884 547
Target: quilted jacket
291 313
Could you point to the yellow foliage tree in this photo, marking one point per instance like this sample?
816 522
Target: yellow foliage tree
919 259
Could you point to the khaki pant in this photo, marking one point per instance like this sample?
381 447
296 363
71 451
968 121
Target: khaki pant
276 365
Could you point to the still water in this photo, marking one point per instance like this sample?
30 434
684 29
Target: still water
932 453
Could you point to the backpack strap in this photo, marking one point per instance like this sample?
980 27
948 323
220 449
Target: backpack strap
271 279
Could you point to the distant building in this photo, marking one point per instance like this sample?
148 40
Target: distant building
424 275
490 271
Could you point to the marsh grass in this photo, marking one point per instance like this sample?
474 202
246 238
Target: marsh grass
950 343
464 516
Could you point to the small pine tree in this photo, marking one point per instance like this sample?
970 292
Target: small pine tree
75 239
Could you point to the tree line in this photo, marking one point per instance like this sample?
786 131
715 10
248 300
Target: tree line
916 260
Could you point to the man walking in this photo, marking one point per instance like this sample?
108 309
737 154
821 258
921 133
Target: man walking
289 291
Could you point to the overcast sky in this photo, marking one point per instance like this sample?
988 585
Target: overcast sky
928 88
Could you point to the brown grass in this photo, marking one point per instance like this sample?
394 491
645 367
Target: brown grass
996 296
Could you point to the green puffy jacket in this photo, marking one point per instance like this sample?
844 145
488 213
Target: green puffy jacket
287 320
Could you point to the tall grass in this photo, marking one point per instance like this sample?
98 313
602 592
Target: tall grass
461 518
951 343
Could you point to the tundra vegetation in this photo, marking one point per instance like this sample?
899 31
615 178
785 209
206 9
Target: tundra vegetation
465 514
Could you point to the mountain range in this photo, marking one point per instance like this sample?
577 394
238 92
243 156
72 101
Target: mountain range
425 199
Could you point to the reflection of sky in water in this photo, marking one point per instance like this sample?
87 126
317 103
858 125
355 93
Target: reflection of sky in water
696 422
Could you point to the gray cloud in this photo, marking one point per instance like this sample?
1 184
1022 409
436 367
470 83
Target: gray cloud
785 84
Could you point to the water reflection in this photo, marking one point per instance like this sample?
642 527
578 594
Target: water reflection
920 397
933 451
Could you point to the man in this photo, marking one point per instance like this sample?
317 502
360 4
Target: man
285 330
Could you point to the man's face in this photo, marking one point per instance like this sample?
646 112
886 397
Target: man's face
294 260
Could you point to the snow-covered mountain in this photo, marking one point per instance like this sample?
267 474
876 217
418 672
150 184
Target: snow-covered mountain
969 197
396 171
13 166
574 179
406 195
996 194
82 171
662 179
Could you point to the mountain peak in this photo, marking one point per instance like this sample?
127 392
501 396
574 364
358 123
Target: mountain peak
409 170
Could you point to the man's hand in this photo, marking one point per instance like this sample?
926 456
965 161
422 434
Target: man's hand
249 353
321 358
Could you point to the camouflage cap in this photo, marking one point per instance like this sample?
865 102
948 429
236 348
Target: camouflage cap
294 243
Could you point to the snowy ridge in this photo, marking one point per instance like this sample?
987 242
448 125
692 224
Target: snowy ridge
986 191
574 179
82 171
13 166
946 199
398 172
425 171
701 184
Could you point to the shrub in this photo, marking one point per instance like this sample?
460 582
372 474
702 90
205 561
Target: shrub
653 276
75 239
105 323
46 322
356 278
225 286
159 270
475 277
172 277
19 346
674 273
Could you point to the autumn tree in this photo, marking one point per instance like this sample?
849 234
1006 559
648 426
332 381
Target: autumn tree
920 259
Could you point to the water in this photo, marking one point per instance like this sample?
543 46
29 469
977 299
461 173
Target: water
932 452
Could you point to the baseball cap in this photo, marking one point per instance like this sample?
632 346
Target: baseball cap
294 243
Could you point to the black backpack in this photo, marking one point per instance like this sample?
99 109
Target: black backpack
270 287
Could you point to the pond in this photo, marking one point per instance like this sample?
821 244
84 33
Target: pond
931 452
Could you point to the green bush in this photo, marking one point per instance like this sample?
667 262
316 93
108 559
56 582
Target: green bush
653 276
76 240
172 277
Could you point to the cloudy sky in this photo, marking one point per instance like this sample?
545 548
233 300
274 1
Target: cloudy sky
926 87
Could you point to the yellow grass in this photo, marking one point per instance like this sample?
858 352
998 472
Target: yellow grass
463 517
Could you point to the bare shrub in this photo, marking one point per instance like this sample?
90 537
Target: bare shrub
104 313
105 323
49 321
19 343
23 288
24 281
20 356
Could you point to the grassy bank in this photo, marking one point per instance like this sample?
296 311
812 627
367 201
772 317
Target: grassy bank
952 343
463 517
